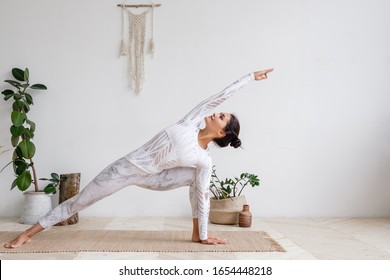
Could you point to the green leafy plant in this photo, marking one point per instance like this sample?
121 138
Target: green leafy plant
231 187
55 181
22 129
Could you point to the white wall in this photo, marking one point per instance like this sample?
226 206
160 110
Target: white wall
317 132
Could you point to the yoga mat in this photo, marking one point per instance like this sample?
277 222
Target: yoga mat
52 241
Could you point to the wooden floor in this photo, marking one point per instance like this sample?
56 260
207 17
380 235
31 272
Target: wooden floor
302 238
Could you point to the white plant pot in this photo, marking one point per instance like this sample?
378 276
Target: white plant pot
36 206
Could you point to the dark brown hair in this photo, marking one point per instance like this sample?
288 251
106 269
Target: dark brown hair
232 129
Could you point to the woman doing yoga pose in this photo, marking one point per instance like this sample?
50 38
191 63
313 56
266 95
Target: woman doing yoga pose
177 156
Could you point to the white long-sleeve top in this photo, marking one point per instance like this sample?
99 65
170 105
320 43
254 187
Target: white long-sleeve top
177 146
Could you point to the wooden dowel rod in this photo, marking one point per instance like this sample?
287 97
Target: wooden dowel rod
139 6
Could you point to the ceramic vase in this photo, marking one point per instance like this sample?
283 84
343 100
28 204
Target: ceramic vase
245 217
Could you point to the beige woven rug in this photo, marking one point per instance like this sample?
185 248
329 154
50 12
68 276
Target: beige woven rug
53 241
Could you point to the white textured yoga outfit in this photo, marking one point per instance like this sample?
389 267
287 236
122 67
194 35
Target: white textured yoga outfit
171 159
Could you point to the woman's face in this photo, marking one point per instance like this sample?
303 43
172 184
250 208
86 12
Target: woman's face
217 122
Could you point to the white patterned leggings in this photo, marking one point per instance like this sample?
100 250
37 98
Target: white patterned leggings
115 177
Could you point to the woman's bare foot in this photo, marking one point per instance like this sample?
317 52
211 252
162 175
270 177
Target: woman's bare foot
23 238
214 241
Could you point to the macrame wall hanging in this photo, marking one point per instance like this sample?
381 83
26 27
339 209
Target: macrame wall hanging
134 46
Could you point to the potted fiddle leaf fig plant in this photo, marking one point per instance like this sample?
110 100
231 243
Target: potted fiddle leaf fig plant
22 134
22 129
228 199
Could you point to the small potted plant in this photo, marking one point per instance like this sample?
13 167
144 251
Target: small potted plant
55 181
22 134
228 199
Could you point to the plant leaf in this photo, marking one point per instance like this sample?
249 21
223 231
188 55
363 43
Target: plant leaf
28 133
55 176
26 74
8 97
18 105
50 188
17 153
7 92
21 166
14 183
18 74
29 98
24 181
14 140
44 179
16 130
26 107
17 118
32 125
38 86
27 148
13 83
229 190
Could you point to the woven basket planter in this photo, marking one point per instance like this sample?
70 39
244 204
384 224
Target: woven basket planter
226 211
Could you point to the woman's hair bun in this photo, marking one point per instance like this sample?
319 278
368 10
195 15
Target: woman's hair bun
236 142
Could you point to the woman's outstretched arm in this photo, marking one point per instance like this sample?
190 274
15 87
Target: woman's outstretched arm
204 107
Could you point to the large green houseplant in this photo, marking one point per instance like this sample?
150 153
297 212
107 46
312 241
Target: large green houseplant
22 129
228 199
22 134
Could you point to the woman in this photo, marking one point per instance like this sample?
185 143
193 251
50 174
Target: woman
177 156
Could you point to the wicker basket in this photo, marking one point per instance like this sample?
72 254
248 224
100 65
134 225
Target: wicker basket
226 211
